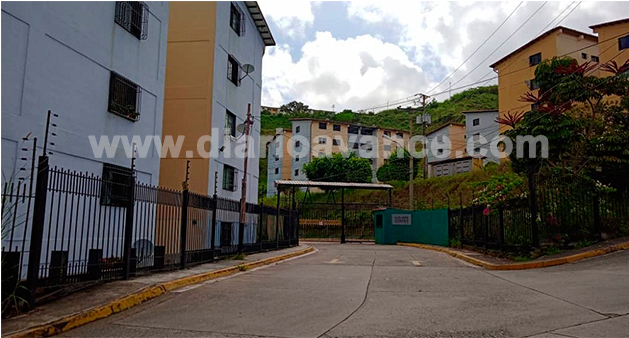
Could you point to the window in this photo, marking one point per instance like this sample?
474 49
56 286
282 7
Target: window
352 130
476 136
335 142
235 19
440 151
623 43
535 59
297 129
387 133
277 171
477 151
399 135
322 125
297 158
475 122
584 56
355 146
229 178
440 138
366 131
321 140
277 157
233 70
133 17
321 154
115 185
230 123
533 85
594 58
336 127
386 147
297 144
296 172
124 97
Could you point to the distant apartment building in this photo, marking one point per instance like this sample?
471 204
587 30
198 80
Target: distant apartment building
208 89
516 71
315 137
481 126
98 65
279 160
446 153
271 110
613 38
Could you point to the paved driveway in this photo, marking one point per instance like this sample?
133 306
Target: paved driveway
389 291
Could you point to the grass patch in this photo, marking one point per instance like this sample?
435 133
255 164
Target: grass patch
237 257
553 250
242 268
521 258
582 244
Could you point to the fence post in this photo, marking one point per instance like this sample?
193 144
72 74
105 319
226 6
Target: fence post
461 217
37 232
597 215
213 234
501 216
128 227
277 220
342 215
533 206
184 217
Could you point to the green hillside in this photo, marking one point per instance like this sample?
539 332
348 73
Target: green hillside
441 112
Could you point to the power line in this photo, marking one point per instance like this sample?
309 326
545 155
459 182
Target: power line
478 48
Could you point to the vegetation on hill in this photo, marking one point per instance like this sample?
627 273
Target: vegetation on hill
449 110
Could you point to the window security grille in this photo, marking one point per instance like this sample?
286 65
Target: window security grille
229 178
124 97
133 16
237 20
115 185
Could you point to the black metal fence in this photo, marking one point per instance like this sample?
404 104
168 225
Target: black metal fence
565 214
75 227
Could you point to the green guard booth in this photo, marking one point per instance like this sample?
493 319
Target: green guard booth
419 226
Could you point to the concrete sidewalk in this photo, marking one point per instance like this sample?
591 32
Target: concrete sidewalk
495 263
103 300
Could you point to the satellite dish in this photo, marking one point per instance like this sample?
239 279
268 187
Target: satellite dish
241 128
248 68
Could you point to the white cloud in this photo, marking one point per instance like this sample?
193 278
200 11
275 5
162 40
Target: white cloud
351 73
433 39
292 17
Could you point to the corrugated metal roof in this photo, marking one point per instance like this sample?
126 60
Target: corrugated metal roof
318 184
260 22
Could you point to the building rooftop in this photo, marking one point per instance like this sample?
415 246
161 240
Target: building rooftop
562 30
480 111
610 23
260 22
318 184
345 123
446 125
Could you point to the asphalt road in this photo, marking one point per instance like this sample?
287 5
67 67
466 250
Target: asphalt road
389 291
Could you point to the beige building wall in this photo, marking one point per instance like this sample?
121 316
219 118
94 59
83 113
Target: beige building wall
514 70
608 35
188 90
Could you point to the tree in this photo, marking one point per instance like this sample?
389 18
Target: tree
294 107
339 168
396 168
584 117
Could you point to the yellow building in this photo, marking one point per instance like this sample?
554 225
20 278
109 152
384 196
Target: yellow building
613 40
207 92
317 137
516 71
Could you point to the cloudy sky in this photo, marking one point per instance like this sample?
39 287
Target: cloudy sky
359 55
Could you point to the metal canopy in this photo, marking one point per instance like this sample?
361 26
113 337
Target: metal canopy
317 184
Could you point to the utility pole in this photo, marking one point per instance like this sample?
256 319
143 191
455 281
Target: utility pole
243 197
424 122
411 166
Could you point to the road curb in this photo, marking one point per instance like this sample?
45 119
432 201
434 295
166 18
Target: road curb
524 265
78 319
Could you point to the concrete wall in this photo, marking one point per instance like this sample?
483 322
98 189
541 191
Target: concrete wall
608 37
247 49
487 127
304 136
456 134
59 56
